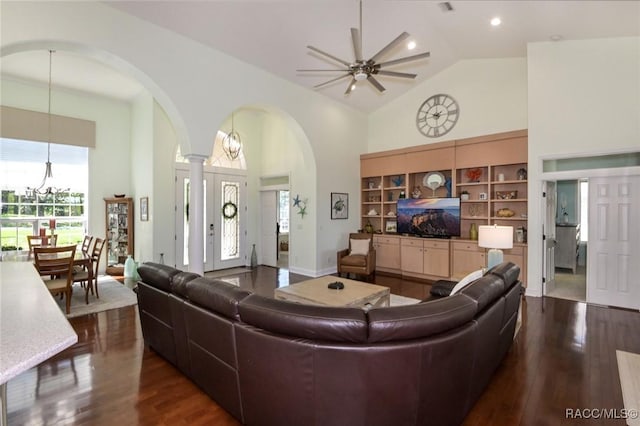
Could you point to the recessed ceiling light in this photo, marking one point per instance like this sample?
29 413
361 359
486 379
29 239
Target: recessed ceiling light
556 37
496 21
411 45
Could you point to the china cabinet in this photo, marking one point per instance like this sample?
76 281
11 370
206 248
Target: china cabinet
119 233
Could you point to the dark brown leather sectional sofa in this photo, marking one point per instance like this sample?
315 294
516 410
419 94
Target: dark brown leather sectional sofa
272 362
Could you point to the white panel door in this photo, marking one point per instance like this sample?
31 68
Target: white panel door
182 220
549 232
614 242
229 242
268 226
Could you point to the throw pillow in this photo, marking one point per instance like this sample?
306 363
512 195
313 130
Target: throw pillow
359 246
466 281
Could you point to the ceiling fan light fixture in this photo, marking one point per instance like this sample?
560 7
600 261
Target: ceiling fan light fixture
360 75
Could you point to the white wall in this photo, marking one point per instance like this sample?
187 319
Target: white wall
491 95
198 87
584 98
162 197
141 161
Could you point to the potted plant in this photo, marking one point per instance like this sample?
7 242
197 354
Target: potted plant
464 195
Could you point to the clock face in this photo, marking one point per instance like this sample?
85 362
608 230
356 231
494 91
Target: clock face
437 115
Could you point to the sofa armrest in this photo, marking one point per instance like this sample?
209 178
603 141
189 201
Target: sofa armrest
371 259
342 253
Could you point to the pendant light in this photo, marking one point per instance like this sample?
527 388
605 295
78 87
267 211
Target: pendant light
46 185
232 144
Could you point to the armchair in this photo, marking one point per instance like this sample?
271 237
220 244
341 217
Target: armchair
359 258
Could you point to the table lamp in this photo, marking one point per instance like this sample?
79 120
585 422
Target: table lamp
494 238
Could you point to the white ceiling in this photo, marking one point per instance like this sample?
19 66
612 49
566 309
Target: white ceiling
273 35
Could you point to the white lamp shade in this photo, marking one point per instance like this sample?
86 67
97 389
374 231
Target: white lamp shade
495 237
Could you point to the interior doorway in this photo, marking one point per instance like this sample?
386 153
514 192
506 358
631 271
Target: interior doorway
274 221
571 225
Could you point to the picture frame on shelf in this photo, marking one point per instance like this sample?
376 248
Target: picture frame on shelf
339 205
144 209
391 226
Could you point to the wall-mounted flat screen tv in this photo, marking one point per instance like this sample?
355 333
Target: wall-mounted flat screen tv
429 217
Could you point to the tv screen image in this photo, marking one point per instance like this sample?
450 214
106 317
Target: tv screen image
429 217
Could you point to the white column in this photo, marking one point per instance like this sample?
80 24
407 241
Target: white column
196 209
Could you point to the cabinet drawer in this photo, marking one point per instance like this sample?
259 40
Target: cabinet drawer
412 242
516 251
386 240
436 244
468 246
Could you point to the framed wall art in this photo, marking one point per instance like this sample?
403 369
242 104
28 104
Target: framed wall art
339 205
144 209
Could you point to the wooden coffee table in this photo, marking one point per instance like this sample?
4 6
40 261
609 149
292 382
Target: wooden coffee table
354 294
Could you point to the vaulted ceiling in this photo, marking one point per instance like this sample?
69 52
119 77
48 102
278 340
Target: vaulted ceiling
274 36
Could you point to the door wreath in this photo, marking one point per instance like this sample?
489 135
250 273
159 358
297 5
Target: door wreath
229 210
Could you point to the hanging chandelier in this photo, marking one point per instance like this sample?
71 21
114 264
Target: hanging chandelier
46 185
232 144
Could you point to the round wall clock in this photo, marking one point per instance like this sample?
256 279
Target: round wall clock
437 115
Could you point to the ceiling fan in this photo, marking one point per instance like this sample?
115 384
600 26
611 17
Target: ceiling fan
361 69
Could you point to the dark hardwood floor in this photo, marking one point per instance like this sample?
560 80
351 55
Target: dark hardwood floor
563 358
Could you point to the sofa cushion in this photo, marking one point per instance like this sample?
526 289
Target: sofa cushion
421 320
307 321
359 246
157 275
485 290
179 282
508 271
466 281
441 288
216 295
354 260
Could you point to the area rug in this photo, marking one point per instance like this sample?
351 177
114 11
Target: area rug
227 272
629 370
112 295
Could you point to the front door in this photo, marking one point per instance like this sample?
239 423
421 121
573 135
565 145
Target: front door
230 223
182 220
614 241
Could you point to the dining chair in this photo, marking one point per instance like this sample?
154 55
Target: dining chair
82 276
86 243
57 264
38 240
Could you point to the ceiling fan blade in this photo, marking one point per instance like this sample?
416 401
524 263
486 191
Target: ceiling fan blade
350 86
322 70
357 44
405 59
328 55
331 81
396 74
389 46
375 83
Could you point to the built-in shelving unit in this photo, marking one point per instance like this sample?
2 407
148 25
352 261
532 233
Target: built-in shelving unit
490 170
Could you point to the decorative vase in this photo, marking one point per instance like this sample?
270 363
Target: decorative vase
473 232
368 228
565 217
254 257
130 267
